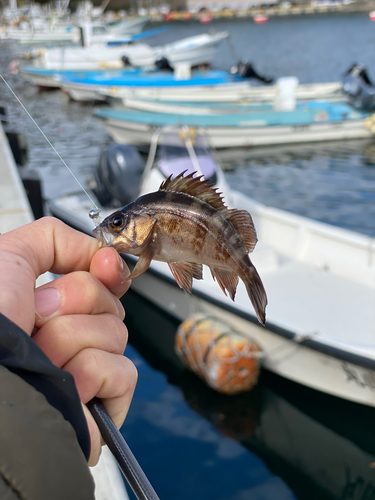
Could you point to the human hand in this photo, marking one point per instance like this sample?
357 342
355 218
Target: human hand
77 319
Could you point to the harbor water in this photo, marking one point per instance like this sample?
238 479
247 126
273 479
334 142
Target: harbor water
281 441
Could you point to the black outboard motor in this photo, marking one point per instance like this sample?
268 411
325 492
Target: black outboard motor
163 63
118 175
357 85
245 69
126 60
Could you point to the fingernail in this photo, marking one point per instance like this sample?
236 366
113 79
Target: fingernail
124 270
47 301
121 263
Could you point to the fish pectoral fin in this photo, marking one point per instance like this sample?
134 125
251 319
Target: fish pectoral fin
227 280
143 263
184 272
243 224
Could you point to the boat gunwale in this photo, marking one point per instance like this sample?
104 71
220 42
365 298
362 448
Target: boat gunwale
316 345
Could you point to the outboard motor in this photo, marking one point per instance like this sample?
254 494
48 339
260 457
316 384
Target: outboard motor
118 176
126 60
357 85
163 63
245 69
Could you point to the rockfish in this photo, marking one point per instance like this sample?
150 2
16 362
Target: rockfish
186 224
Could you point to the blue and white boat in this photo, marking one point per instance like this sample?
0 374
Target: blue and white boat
45 77
309 121
95 85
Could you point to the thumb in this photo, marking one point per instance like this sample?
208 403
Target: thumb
29 251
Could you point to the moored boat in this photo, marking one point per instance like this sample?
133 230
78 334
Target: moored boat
320 315
54 32
310 121
194 51
239 91
86 86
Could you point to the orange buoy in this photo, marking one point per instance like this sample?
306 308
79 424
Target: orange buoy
205 19
225 359
169 16
260 19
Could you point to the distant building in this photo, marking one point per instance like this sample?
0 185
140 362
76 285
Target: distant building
196 5
161 4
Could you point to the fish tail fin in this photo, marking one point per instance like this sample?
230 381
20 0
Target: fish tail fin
256 293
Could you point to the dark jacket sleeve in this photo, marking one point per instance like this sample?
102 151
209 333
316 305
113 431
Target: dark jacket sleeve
40 453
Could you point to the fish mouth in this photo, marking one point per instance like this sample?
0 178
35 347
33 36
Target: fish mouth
105 238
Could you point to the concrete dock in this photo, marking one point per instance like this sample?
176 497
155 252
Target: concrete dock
15 209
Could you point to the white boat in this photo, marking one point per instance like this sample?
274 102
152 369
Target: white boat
320 280
55 32
130 26
85 85
242 92
194 51
210 108
309 121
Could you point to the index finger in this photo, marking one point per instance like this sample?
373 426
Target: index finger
50 245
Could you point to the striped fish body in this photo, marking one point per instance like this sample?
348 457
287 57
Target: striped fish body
186 224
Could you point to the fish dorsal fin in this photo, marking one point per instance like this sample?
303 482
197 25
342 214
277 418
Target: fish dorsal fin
194 186
243 224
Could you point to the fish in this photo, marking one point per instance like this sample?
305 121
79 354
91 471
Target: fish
187 225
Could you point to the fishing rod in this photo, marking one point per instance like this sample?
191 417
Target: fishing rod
115 441
127 462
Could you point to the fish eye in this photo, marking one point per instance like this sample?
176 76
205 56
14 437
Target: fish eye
117 222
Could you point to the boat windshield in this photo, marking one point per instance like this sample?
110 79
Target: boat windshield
173 157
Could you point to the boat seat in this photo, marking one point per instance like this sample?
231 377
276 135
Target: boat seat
174 166
337 310
265 259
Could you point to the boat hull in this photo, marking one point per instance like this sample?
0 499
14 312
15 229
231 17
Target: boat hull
228 137
286 354
194 51
300 316
238 92
42 80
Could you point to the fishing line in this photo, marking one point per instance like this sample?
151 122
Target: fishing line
127 462
48 141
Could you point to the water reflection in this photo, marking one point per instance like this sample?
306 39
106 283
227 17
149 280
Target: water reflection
317 446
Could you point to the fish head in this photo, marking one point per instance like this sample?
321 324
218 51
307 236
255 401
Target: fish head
125 231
